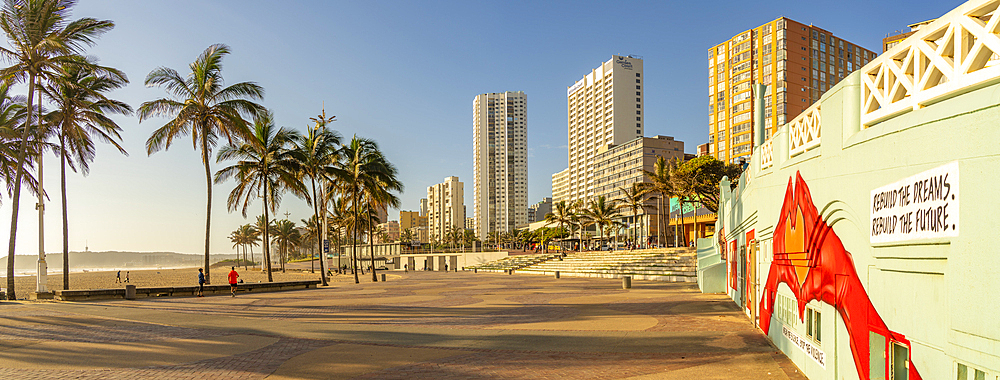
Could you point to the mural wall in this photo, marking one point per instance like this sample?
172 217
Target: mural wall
861 238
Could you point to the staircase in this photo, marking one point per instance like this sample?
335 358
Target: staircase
669 264
513 262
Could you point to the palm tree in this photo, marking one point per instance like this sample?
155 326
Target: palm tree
248 237
203 108
341 224
286 236
633 199
684 184
317 150
562 214
255 232
406 236
80 115
602 213
363 170
312 233
265 168
661 184
237 241
12 114
41 39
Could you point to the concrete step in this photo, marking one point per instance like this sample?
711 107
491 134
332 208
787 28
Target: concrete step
643 277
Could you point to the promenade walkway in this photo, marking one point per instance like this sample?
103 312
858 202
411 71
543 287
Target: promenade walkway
416 325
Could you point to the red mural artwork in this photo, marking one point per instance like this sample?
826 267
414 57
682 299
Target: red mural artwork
732 265
810 258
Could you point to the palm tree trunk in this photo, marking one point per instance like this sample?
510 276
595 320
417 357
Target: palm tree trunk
354 251
659 219
681 220
266 243
208 207
319 238
21 155
322 234
65 220
371 232
244 246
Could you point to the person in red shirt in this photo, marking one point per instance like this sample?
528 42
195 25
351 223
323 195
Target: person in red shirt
232 280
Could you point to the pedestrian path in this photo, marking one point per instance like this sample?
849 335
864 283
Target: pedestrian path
443 325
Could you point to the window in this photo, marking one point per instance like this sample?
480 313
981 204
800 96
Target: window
967 372
638 118
637 93
636 75
637 112
814 329
636 81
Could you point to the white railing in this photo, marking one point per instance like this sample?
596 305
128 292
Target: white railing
767 154
804 131
953 54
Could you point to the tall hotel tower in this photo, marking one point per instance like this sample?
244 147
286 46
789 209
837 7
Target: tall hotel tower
797 62
604 107
500 157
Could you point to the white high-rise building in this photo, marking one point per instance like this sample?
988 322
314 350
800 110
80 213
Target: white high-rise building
604 108
445 208
500 159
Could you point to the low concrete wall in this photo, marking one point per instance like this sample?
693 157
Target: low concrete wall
181 291
711 268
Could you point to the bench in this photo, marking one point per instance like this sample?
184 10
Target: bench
181 291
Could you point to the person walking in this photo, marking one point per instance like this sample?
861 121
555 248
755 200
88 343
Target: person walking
126 276
118 280
233 276
201 282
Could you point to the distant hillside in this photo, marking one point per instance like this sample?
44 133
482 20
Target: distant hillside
114 259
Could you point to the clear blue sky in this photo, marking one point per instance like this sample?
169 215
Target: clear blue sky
404 73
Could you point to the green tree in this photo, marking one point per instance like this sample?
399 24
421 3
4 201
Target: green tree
286 236
707 172
661 183
12 114
202 108
633 198
81 114
602 213
312 230
264 167
406 236
41 39
317 152
364 170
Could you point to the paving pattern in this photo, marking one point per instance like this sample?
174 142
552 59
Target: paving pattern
417 325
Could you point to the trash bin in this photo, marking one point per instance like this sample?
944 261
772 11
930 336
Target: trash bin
130 292
557 274
627 282
382 277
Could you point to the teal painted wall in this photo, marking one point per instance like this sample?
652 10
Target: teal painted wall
941 293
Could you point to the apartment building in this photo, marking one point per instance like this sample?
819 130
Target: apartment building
500 162
560 186
600 111
445 208
391 229
537 211
797 62
618 166
411 219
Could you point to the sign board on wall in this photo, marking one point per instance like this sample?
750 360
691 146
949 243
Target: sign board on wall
924 206
806 346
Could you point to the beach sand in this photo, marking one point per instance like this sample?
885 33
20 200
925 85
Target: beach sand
158 277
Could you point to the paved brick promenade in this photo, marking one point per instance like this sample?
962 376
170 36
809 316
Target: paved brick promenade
416 325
